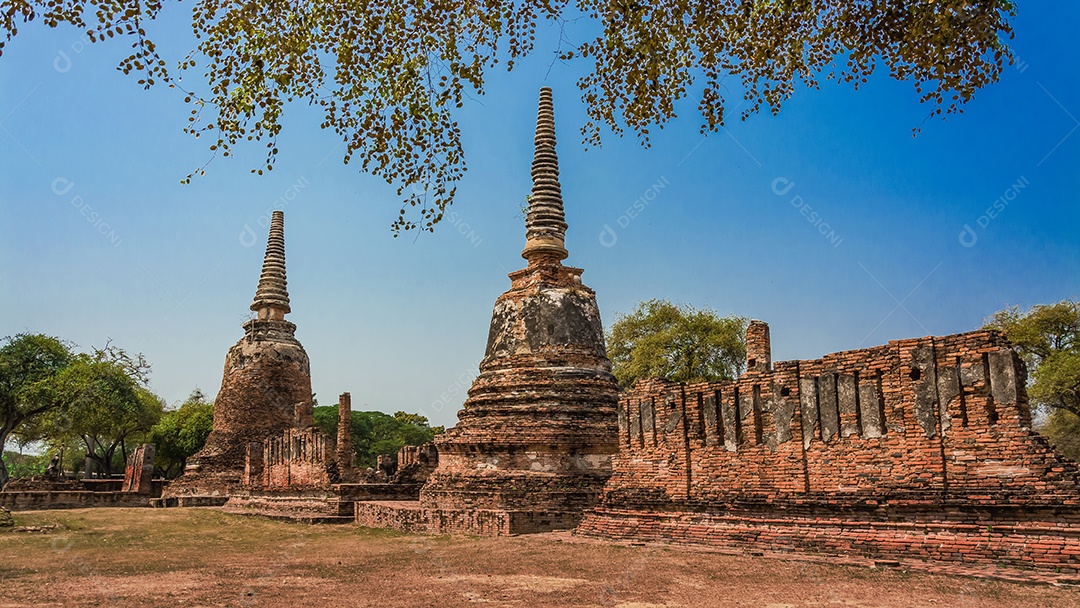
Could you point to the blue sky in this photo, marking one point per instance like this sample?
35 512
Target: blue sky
829 221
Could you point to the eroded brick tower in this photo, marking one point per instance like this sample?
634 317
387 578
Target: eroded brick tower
535 440
266 387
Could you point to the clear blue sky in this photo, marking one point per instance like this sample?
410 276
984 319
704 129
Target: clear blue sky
402 323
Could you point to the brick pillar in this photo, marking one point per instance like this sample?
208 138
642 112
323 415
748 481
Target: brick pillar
344 434
758 347
139 470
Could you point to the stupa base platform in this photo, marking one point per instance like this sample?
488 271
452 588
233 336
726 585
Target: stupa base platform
189 500
317 506
413 517
298 507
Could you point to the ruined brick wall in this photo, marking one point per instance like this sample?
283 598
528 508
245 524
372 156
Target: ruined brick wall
414 517
921 417
929 430
415 463
294 459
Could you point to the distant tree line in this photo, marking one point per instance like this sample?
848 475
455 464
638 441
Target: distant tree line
378 433
97 406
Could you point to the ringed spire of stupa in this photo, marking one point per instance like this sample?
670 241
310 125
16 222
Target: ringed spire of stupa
272 296
545 223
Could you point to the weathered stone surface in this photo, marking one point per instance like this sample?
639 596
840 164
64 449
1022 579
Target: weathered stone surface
545 222
809 409
1003 376
948 390
5 518
539 428
870 408
922 373
828 409
272 294
783 410
846 401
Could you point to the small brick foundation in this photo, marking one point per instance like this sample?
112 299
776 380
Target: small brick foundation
416 518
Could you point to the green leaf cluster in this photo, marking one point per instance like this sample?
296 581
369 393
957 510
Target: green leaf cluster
25 465
659 339
389 77
29 364
1047 336
182 432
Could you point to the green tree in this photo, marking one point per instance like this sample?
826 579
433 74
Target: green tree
26 465
378 433
27 362
1062 428
1047 336
182 432
389 76
678 343
104 403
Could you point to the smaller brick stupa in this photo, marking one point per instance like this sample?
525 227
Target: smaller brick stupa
535 440
266 387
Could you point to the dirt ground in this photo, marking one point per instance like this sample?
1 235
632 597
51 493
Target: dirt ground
200 557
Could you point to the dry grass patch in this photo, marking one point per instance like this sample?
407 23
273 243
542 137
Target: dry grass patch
202 557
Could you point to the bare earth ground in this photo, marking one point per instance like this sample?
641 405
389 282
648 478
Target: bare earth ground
201 557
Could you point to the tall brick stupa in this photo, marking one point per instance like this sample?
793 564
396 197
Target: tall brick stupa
535 440
266 387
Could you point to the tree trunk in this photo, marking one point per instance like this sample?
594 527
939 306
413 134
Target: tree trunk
92 455
4 433
107 460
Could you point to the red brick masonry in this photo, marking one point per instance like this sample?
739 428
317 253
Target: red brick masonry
919 449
